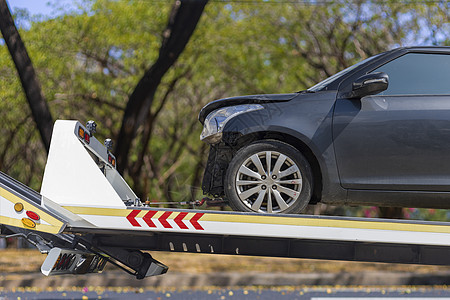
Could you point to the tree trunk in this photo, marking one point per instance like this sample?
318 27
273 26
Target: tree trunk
38 105
183 19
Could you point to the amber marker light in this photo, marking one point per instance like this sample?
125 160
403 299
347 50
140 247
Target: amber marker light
80 132
18 207
112 160
28 223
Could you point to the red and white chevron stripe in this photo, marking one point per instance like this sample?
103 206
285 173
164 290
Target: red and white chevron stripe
151 221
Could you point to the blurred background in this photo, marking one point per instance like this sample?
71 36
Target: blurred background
91 59
143 69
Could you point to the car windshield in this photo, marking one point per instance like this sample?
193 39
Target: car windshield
325 82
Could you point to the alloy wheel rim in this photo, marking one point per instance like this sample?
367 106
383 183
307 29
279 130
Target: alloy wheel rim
269 181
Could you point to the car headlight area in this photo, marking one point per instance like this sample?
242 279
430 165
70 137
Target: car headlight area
216 120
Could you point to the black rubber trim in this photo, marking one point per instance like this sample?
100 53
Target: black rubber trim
19 189
274 247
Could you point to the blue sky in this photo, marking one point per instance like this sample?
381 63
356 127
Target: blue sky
39 6
34 6
47 9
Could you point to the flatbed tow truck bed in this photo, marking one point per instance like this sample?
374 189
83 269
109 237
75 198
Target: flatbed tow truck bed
83 218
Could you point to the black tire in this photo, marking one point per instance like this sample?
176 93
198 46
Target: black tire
283 187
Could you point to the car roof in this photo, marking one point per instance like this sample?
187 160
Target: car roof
424 49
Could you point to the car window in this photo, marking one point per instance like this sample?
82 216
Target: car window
418 74
325 82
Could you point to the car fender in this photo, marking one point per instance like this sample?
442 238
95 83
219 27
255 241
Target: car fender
306 120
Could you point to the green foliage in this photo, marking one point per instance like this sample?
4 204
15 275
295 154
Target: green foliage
89 60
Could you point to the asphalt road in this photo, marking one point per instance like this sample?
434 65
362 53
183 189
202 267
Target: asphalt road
357 293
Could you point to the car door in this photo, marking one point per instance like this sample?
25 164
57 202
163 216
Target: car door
400 138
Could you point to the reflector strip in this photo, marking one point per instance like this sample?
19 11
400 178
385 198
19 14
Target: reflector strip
257 225
295 220
163 219
194 221
179 220
148 218
131 218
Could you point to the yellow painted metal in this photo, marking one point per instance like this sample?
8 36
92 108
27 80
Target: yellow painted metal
275 220
47 223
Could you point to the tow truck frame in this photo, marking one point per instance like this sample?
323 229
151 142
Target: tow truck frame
86 215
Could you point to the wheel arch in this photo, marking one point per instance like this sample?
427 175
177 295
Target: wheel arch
298 144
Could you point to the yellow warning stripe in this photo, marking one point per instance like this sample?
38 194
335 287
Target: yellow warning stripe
120 212
111 212
39 227
261 219
319 222
55 226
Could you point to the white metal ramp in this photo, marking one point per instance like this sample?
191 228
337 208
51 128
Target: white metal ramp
85 202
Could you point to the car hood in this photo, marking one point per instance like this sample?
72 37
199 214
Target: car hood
266 98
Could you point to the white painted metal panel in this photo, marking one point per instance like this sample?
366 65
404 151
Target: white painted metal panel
339 229
71 175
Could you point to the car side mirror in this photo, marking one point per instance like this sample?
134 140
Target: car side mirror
369 84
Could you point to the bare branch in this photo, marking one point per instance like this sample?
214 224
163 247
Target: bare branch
182 23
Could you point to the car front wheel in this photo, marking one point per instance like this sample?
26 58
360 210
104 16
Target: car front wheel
269 177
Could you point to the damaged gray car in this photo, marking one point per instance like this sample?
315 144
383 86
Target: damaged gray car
376 133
